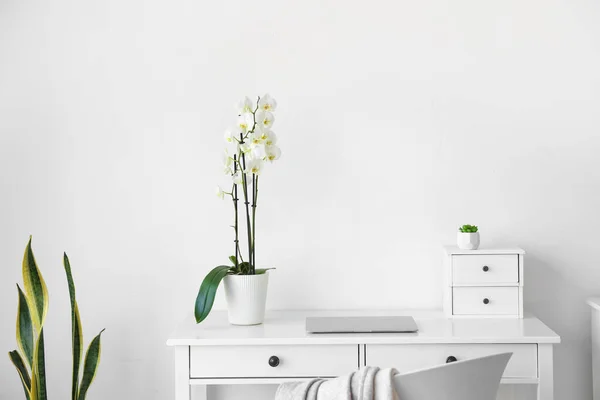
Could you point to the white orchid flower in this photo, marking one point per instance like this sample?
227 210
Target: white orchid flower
246 122
254 139
227 163
259 151
254 166
273 153
220 193
267 103
229 136
238 178
244 106
260 132
227 159
269 137
245 147
265 120
258 129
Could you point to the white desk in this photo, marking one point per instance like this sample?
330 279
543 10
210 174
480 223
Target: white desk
216 353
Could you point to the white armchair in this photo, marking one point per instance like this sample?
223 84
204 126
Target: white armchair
475 379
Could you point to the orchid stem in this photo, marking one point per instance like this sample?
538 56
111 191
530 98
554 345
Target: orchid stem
254 196
245 187
235 206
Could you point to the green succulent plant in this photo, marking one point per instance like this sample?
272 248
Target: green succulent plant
29 360
468 229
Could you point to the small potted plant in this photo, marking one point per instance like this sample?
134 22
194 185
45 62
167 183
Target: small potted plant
468 237
251 145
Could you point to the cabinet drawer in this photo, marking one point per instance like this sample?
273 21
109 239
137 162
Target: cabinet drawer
485 269
406 358
253 361
485 301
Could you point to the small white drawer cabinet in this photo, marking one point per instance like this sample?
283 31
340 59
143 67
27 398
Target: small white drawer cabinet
483 283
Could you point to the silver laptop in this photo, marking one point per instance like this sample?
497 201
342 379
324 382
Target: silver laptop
361 325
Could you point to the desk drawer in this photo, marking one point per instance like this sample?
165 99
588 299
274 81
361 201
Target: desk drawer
485 269
406 358
253 361
485 301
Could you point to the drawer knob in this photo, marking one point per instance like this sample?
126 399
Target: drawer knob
486 301
451 359
274 361
486 268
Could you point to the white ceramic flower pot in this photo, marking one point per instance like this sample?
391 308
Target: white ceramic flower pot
468 240
246 298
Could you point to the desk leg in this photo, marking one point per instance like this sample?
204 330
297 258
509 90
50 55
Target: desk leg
201 393
182 373
546 372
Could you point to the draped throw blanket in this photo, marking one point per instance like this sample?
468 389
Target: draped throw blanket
368 383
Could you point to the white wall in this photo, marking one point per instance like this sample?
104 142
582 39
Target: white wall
398 122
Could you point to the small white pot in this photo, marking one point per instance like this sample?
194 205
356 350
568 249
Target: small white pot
468 240
246 298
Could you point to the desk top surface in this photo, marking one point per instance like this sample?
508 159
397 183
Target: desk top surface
288 328
454 250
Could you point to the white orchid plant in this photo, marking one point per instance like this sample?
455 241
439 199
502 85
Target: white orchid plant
250 146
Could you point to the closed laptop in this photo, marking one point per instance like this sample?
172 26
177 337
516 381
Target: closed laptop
393 324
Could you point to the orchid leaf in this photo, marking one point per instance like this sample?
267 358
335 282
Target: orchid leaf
244 268
260 271
208 290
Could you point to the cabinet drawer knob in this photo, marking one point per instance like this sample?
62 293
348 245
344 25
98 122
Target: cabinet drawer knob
486 301
451 359
486 268
274 361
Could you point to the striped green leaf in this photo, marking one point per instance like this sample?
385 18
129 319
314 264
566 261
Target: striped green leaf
208 290
16 359
35 288
76 331
38 376
24 329
90 366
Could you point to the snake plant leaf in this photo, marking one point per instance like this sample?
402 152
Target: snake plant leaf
76 331
208 290
24 329
16 359
35 288
90 366
38 375
77 346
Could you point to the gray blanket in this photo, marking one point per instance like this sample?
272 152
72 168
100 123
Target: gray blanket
368 383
